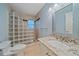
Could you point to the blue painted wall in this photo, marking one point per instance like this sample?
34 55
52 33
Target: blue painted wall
4 17
60 18
58 24
45 21
76 19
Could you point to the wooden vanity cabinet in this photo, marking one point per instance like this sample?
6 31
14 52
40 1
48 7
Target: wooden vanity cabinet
36 49
46 51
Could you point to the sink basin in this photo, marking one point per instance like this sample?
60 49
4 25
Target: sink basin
58 44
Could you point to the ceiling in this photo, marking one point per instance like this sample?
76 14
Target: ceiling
27 8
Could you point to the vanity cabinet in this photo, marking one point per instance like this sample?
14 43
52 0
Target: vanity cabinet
46 51
51 53
21 53
4 46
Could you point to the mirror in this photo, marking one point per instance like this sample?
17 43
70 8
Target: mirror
69 23
62 17
67 20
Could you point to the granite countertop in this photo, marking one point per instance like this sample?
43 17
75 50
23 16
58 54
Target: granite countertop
60 51
15 50
4 44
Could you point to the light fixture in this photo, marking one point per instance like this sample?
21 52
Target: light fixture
56 5
50 9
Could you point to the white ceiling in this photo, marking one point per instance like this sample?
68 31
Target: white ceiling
27 8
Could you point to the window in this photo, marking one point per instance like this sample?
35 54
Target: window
30 24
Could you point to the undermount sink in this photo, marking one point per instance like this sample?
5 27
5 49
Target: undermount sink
58 44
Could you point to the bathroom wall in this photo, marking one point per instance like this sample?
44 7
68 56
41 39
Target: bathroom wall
45 22
76 19
4 17
60 20
47 18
